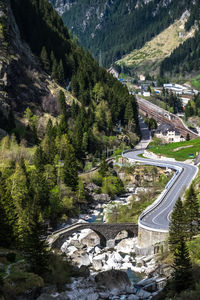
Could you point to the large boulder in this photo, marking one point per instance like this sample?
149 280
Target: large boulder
89 238
80 258
102 197
126 246
112 279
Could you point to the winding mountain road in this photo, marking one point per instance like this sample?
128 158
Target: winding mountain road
157 217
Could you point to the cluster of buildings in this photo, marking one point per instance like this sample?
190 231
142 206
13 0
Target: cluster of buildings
165 131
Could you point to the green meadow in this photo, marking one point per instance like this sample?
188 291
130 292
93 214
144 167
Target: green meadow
180 151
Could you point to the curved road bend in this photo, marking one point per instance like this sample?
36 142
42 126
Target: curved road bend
158 217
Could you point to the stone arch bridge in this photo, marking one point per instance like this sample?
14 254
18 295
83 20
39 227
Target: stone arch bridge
106 232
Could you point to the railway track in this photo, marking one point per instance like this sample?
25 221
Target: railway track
162 116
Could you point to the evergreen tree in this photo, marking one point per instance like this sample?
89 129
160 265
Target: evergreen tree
54 71
103 169
177 225
44 59
187 137
35 246
60 72
182 275
70 169
20 198
85 142
191 207
5 229
129 114
39 159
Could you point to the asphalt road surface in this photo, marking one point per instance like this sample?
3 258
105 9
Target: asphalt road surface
158 217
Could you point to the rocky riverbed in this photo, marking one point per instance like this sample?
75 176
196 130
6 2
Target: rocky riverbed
111 273
115 272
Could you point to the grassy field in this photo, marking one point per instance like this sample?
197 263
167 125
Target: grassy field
196 82
154 51
179 151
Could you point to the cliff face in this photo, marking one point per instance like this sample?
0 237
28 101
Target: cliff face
22 83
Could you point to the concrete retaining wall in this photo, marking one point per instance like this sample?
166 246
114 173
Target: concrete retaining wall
147 238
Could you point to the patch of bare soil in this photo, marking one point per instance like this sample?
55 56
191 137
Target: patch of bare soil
183 147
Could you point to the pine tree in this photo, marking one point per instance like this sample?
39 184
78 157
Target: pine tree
177 225
191 207
60 72
39 159
20 198
103 169
128 115
5 230
85 142
182 275
44 59
54 71
34 244
63 126
70 169
187 137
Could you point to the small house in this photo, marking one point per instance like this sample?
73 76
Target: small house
168 133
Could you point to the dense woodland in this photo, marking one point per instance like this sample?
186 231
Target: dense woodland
193 107
123 27
184 227
186 57
39 182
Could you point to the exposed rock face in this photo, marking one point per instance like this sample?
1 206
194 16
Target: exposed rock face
62 5
22 83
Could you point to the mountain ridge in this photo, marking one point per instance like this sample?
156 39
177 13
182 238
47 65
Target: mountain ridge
110 29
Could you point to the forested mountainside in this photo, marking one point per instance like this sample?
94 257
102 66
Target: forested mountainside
98 97
186 58
110 29
58 111
148 59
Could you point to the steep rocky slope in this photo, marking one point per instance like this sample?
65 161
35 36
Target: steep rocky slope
22 82
150 56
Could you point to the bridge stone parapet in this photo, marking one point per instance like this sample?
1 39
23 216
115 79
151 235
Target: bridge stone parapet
106 232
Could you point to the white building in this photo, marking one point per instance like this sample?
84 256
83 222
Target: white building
168 133
146 94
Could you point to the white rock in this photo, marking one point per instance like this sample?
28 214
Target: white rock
146 281
97 250
71 250
126 266
127 259
82 260
148 258
100 256
116 257
126 245
97 264
136 269
65 246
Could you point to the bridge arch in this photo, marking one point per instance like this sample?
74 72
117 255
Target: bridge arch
106 232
